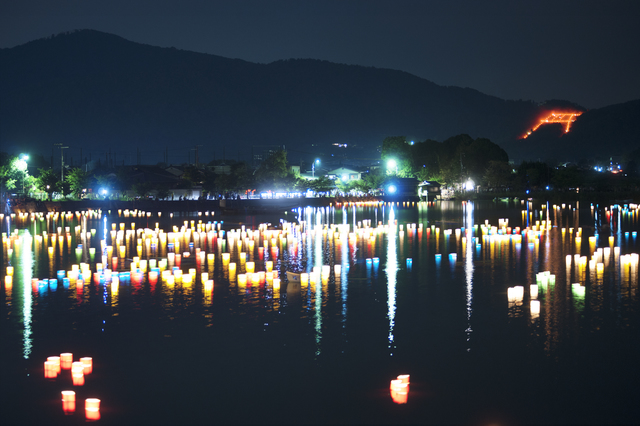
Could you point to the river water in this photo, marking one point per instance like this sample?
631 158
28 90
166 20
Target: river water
439 291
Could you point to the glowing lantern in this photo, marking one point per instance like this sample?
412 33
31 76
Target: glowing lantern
87 364
50 370
78 378
399 389
65 360
68 402
77 367
92 408
250 266
56 361
276 283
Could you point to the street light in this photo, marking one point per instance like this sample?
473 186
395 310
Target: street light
469 185
313 167
392 165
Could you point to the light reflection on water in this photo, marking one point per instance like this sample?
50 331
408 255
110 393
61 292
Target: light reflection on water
479 261
392 272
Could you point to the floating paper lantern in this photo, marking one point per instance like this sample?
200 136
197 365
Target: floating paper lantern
77 378
65 360
399 390
56 361
276 283
77 367
68 402
404 378
87 364
92 408
50 370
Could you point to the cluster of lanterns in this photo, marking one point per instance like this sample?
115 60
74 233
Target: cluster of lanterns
54 365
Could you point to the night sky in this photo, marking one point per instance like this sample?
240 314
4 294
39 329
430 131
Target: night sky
582 51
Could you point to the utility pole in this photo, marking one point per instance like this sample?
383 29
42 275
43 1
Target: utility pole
197 155
59 145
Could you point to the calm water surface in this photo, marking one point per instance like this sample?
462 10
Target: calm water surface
423 289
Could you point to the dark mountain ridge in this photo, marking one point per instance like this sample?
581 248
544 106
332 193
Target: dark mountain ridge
102 93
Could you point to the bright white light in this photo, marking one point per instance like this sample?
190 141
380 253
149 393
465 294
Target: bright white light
21 165
469 185
392 189
391 164
345 178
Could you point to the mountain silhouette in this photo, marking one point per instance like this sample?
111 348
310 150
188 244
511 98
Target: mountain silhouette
103 94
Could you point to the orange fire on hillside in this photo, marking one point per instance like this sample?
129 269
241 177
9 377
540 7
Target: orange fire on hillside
556 117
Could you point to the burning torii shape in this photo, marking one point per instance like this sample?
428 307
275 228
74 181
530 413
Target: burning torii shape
557 117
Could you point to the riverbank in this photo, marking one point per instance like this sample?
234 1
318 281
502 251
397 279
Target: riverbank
224 207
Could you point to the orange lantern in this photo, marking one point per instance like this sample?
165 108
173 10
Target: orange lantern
56 361
68 402
87 363
65 360
400 389
78 379
92 408
50 370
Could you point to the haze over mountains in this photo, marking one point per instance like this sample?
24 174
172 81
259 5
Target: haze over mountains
102 93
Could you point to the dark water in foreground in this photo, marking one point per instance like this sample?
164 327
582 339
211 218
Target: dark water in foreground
326 351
